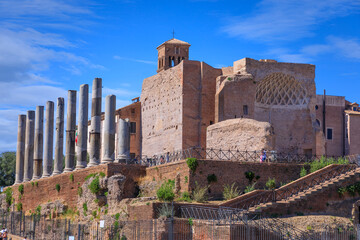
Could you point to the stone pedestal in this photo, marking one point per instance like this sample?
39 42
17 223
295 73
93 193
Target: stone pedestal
29 146
59 137
49 139
123 134
70 131
20 149
109 129
82 127
38 144
95 143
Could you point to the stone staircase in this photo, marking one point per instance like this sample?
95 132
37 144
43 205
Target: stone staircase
295 191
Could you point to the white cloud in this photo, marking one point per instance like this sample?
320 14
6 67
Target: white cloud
288 19
135 60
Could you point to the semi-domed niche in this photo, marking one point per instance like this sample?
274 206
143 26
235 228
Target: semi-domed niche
279 89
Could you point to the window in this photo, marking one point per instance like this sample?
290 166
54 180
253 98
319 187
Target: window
133 110
132 127
132 156
354 108
329 134
245 110
318 123
316 107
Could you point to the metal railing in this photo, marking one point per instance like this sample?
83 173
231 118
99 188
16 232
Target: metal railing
230 155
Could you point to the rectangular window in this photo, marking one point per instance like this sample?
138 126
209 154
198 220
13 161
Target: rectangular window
132 156
132 127
245 110
329 134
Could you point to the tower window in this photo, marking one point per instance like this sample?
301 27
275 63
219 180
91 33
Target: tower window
329 133
132 127
245 110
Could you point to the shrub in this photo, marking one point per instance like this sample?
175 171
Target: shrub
85 207
199 193
186 179
102 174
21 189
250 188
323 162
341 191
211 178
90 176
271 184
192 164
57 187
19 207
94 213
166 191
94 186
303 172
36 184
80 191
32 183
71 177
190 221
165 210
249 175
230 192
185 197
117 216
8 196
351 190
38 210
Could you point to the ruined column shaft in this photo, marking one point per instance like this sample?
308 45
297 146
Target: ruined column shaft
82 127
109 129
39 141
59 137
49 139
20 149
123 135
29 146
95 144
70 131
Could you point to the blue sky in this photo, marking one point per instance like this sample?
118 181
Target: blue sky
48 47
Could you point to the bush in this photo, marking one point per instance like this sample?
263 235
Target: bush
341 191
80 191
85 207
190 221
351 190
323 162
303 172
165 210
271 184
211 178
249 175
19 207
230 192
185 197
117 216
38 210
71 177
192 164
8 196
250 188
94 186
21 189
166 191
102 174
57 187
199 193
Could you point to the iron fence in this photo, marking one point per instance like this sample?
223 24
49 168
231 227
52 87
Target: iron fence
188 228
231 155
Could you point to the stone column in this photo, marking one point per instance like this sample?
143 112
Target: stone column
123 135
109 129
49 139
59 137
39 140
29 146
70 132
82 127
95 143
20 150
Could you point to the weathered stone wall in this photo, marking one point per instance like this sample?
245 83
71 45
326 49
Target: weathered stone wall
241 134
290 110
43 190
334 113
353 132
162 111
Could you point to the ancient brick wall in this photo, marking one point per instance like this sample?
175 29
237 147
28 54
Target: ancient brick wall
43 190
353 133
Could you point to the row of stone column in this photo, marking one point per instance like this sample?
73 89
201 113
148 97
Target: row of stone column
34 158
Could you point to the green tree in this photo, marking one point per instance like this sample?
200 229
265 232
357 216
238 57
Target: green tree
7 168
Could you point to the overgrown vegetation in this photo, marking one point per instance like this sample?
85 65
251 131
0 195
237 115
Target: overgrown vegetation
19 207
38 210
185 197
249 175
199 194
94 186
192 164
80 191
250 188
323 162
350 189
57 187
230 192
303 172
165 210
71 177
271 183
166 191
211 178
21 189
8 195
7 169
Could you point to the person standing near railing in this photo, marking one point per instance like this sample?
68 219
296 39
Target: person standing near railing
263 156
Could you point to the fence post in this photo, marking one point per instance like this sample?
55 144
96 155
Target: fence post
171 229
79 232
358 231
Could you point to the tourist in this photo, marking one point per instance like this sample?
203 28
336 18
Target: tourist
4 234
263 156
